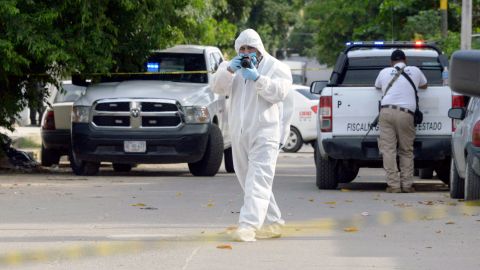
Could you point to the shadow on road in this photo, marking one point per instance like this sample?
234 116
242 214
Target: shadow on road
424 186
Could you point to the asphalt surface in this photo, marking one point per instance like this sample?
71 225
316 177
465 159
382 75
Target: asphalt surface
161 217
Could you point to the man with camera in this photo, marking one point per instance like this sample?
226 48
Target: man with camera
259 117
396 121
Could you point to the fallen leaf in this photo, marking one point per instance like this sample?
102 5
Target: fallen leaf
224 247
210 205
330 202
351 229
428 247
349 201
403 205
426 202
178 194
149 208
452 203
344 190
450 222
438 231
311 200
139 204
231 228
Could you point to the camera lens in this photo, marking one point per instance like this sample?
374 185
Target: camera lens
245 62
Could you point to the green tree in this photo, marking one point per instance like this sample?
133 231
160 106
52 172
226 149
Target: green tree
42 41
340 21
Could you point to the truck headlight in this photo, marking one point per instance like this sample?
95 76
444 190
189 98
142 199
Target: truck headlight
196 115
80 114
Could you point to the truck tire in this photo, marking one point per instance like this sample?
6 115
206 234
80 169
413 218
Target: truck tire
472 182
346 171
294 141
81 167
457 184
49 156
442 168
119 167
212 158
228 159
425 173
325 172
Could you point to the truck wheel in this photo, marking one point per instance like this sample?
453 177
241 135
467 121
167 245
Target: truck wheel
442 168
294 141
212 158
325 172
425 173
49 157
346 171
457 184
119 167
81 167
228 159
472 182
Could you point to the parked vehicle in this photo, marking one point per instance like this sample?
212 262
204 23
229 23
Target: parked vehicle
465 163
298 69
349 103
56 123
303 127
169 115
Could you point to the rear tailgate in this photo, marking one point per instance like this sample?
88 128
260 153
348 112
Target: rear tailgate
354 108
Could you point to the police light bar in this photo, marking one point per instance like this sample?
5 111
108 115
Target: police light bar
380 44
153 67
419 43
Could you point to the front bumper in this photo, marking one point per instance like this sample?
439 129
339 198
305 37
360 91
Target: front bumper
426 148
184 144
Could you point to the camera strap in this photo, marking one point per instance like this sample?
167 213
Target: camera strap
414 87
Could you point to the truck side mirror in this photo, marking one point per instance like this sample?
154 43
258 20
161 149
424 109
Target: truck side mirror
317 87
456 113
464 70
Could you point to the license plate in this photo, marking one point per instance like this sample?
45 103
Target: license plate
135 146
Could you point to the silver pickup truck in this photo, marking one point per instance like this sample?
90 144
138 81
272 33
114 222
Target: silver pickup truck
166 115
349 103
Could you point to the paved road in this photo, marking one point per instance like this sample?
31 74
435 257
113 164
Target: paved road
160 217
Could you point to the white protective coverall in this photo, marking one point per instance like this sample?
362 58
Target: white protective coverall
258 120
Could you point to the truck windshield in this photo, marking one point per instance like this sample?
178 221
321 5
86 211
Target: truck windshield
364 70
179 67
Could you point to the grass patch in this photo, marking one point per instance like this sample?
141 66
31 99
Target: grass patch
22 143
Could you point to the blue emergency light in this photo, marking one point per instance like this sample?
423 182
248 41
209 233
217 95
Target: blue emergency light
153 67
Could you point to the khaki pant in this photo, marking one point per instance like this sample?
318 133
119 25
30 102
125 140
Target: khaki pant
397 131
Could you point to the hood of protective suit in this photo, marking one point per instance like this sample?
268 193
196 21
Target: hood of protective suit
250 38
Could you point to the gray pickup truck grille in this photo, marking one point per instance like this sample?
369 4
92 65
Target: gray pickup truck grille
136 113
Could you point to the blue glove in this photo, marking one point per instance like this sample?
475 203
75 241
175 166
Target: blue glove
250 73
235 63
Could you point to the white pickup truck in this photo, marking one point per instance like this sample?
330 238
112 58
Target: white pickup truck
349 103
167 115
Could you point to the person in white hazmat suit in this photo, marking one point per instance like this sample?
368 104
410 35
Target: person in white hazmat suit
259 120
